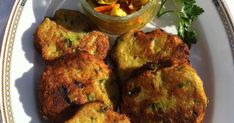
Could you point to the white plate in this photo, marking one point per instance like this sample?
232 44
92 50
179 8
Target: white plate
21 66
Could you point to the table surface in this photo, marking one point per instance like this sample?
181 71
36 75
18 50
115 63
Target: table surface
6 6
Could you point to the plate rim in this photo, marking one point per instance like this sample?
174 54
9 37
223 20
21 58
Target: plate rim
227 20
6 55
9 38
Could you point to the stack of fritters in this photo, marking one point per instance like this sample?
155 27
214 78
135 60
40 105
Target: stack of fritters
77 73
159 84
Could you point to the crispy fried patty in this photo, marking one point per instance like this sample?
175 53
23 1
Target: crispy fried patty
97 113
54 39
72 81
172 94
136 48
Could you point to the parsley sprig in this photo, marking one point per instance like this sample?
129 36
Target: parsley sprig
187 11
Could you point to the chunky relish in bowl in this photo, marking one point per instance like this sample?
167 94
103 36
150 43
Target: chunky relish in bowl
119 16
117 7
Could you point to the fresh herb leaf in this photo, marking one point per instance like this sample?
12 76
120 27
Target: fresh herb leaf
155 106
187 13
68 42
102 109
90 97
102 85
180 85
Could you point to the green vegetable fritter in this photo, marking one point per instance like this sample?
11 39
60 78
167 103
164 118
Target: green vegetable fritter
65 35
75 80
172 94
136 48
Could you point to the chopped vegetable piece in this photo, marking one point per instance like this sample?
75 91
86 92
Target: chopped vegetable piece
90 97
103 109
155 106
106 1
117 11
105 7
118 7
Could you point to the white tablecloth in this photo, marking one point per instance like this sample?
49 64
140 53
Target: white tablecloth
5 9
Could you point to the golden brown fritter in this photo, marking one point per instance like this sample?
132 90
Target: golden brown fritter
54 40
72 81
136 48
97 113
74 21
172 94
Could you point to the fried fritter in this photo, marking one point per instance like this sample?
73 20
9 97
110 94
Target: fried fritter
74 21
97 113
172 94
136 48
75 80
54 40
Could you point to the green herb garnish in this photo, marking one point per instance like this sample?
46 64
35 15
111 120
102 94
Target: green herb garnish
154 106
180 85
102 85
187 11
72 38
102 109
68 42
90 97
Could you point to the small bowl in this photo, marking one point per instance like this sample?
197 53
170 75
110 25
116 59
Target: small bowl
120 25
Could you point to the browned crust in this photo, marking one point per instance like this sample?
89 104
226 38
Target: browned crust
100 47
100 114
69 82
174 48
172 42
184 111
52 33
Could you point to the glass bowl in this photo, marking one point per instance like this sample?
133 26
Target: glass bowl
120 25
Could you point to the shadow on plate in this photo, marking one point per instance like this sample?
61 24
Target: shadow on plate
30 78
28 81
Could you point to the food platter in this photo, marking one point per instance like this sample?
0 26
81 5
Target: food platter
21 65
